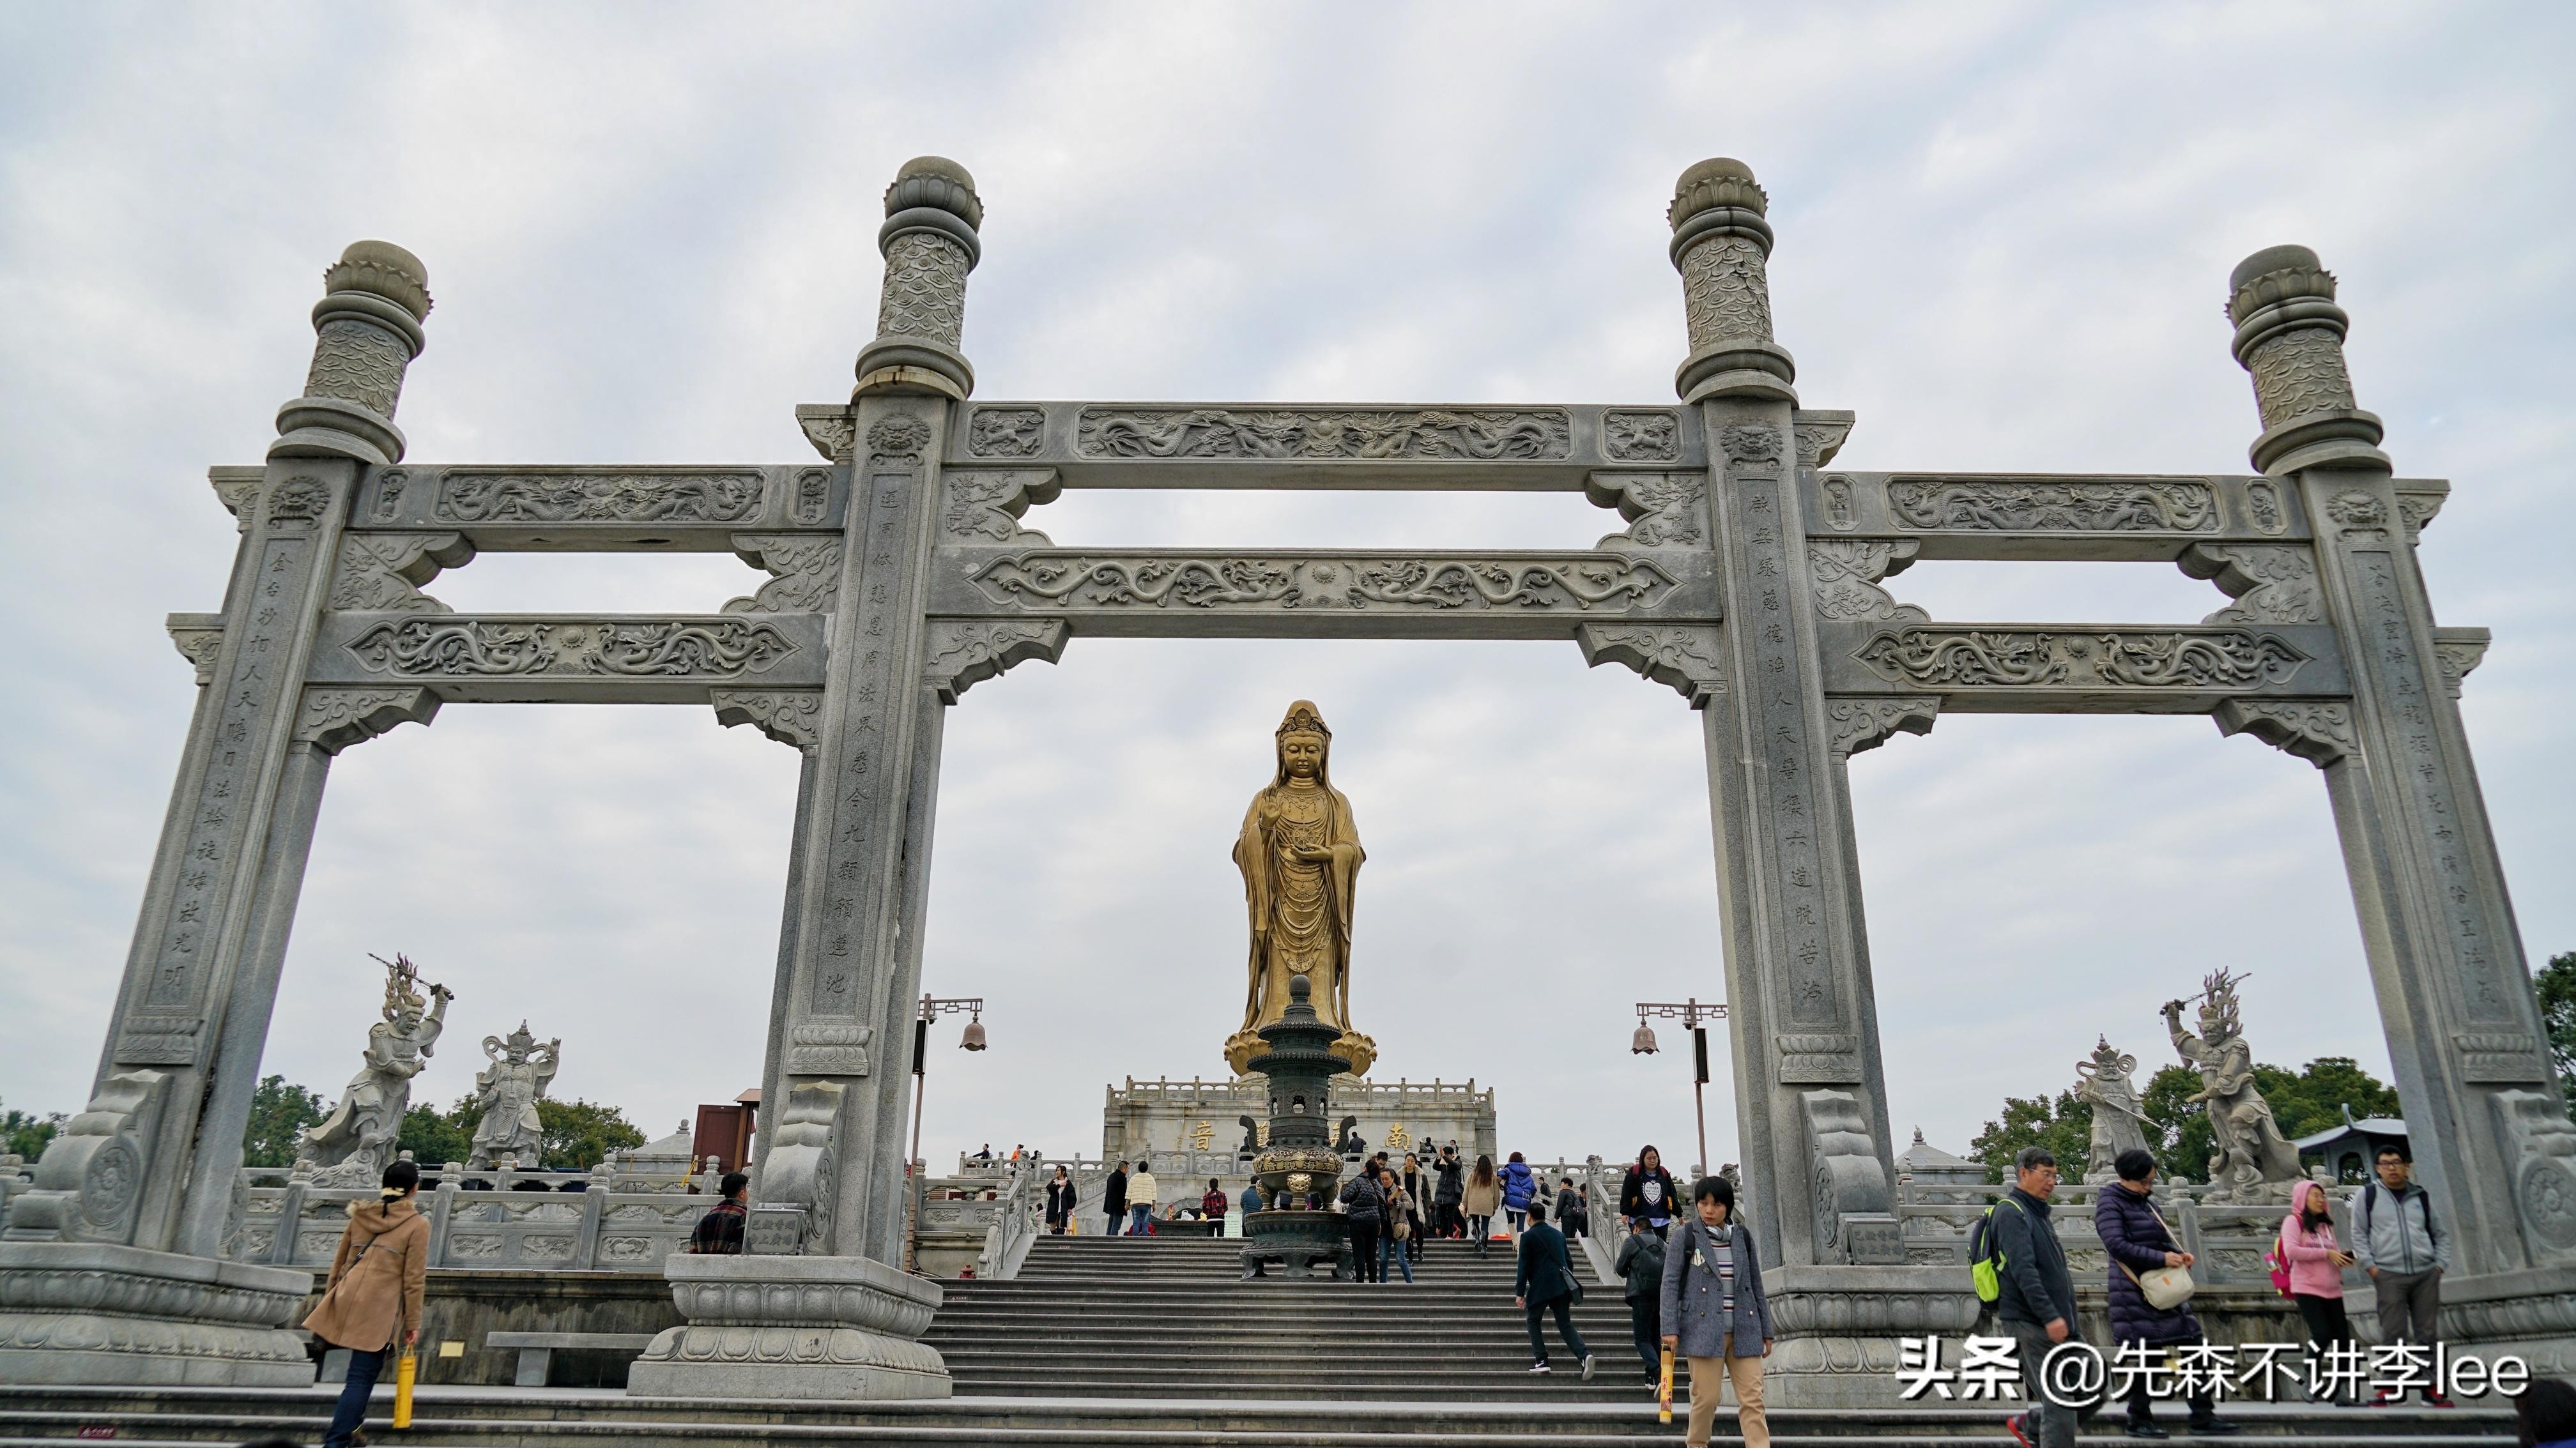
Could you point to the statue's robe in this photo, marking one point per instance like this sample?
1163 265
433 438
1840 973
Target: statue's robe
1300 911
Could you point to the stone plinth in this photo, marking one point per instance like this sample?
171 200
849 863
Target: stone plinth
794 1328
1837 1327
95 1312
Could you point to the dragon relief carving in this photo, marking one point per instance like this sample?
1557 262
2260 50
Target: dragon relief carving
1005 432
1663 509
1641 437
1429 584
958 654
448 647
1472 434
1846 572
807 568
793 717
384 572
1866 723
573 496
2125 505
2271 582
1973 658
980 506
2318 731
1689 659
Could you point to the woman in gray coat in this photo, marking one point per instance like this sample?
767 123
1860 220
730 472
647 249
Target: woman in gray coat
1715 1314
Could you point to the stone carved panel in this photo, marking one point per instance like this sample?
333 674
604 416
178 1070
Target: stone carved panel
898 437
1750 442
2125 658
1726 292
790 716
807 568
2271 582
2542 1169
829 1048
1272 581
1846 572
1005 432
2263 506
984 506
925 288
829 427
1664 510
1829 1058
89 1183
2491 1058
1866 723
384 572
1641 437
2119 505
2360 515
332 719
2298 372
429 648
1487 434
1689 659
199 638
546 495
358 362
958 654
2316 730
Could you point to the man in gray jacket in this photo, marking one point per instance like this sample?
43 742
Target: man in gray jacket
2405 1251
2037 1301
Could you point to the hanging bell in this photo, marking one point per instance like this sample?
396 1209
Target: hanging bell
1643 1043
973 1039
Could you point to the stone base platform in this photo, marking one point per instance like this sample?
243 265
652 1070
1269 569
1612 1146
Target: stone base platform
794 1328
92 1312
520 1418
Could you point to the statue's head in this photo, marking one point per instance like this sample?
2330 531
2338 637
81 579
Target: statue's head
1305 745
407 1020
519 1044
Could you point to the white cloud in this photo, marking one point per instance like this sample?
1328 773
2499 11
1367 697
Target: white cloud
2004 234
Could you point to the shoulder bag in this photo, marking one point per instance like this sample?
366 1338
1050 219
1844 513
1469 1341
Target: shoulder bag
2165 1288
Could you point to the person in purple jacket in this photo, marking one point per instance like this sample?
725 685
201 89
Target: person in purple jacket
2136 1240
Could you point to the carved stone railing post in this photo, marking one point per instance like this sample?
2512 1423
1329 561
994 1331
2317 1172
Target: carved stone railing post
930 244
2464 1031
1811 1094
136 1192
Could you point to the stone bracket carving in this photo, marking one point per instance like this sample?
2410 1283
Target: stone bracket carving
2316 730
385 572
2271 582
2500 1058
984 505
1863 722
1853 1205
1846 573
89 1183
1820 434
2541 1165
1826 1059
803 1167
237 489
791 716
199 638
1664 510
2420 500
807 568
830 426
332 719
2458 650
1688 658
958 654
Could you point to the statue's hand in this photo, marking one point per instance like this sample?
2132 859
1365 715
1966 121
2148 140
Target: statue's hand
441 994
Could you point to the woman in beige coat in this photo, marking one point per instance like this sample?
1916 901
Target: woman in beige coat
1483 1198
371 1304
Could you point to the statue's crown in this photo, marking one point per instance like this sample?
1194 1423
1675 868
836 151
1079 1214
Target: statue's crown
1303 719
402 981
520 1038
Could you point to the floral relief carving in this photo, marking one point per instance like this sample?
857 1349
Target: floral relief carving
985 507
1846 573
1688 659
2271 582
548 496
2049 505
808 569
1663 509
793 717
2319 731
1866 723
1725 292
463 648
1640 437
1271 581
2123 658
2299 372
383 572
1484 434
925 288
358 362
1005 432
958 654
335 718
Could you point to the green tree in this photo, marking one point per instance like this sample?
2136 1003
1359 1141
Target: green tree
278 1115
2556 987
579 1133
2178 1126
25 1135
434 1137
2062 1124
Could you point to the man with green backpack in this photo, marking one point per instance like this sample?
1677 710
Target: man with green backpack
2019 1266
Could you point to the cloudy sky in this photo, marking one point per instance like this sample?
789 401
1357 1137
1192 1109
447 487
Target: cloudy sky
2004 236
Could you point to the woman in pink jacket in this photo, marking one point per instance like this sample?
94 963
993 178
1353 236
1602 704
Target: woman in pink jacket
2316 1266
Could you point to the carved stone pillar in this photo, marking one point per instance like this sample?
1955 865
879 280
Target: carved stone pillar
136 1190
2491 1139
1811 1096
834 1316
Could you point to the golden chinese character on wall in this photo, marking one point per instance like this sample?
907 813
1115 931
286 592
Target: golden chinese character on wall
1396 1138
1201 1135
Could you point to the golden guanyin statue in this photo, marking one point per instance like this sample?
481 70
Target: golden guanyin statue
1300 857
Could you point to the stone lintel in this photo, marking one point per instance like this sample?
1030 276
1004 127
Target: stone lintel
2078 517
2069 668
602 507
571 658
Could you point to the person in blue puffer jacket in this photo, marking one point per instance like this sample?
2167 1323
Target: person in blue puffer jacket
1519 1185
